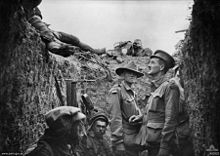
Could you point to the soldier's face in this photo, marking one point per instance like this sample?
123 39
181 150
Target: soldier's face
99 128
154 66
130 77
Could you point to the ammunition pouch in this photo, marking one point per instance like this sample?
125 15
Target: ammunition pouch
154 132
183 130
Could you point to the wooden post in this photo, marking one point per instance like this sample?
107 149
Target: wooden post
71 93
74 91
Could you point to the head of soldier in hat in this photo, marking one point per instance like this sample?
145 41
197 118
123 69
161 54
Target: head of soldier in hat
160 63
129 73
98 124
30 4
137 43
65 124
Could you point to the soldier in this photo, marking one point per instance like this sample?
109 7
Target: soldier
138 49
162 112
183 131
122 103
59 43
65 130
96 143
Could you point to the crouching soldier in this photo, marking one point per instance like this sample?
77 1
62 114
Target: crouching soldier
65 130
96 143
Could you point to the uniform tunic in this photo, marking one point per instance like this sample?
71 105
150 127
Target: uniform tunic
122 106
94 146
161 114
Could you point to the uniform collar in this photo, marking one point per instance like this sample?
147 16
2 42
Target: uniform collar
156 83
126 86
92 134
128 89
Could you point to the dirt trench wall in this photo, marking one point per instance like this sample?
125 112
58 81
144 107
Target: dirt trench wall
27 84
27 80
201 74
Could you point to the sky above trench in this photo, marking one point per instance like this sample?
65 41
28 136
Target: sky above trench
104 23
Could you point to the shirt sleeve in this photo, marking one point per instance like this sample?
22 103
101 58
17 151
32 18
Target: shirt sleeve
171 98
116 120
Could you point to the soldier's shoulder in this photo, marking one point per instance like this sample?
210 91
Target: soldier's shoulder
36 11
172 84
115 89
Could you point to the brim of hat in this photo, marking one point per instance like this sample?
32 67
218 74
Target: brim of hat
164 60
121 70
156 57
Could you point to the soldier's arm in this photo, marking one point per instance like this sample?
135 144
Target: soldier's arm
116 120
85 147
171 98
35 20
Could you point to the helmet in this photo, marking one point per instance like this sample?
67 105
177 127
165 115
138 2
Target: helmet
98 115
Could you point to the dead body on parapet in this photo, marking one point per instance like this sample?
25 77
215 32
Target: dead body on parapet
57 42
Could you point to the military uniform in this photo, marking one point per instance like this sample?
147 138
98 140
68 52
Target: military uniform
183 132
161 117
96 143
63 122
94 146
122 106
60 43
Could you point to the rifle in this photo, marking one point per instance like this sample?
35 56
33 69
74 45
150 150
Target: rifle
87 106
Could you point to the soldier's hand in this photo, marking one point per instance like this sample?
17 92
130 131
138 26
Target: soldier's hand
119 150
135 118
163 152
120 153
